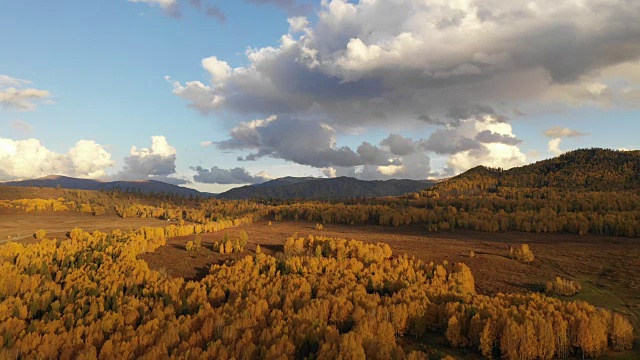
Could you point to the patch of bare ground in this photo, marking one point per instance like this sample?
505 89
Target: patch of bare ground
608 268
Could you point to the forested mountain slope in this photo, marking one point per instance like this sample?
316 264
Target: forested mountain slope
585 169
315 188
147 186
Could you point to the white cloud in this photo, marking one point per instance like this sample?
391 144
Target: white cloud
554 146
560 132
159 161
493 154
14 95
26 159
297 24
367 62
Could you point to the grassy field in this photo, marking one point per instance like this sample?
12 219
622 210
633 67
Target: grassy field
16 225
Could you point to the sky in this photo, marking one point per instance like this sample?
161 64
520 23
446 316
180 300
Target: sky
214 94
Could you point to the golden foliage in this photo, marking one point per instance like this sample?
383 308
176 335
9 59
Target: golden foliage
91 296
563 287
521 253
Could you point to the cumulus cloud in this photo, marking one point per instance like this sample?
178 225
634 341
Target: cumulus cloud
305 142
16 95
155 163
557 134
554 146
488 136
399 145
26 159
449 141
495 145
366 62
239 175
456 66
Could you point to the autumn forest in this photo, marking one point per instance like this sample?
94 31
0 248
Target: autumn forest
87 292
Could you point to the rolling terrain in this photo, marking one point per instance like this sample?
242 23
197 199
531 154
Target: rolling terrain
146 186
325 189
430 272
579 170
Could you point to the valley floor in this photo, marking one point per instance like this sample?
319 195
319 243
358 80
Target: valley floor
608 268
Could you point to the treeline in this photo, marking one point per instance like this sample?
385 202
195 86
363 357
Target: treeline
90 297
31 205
437 218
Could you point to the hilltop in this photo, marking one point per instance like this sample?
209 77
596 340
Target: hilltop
585 170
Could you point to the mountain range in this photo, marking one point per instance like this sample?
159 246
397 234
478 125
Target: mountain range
319 188
585 169
282 188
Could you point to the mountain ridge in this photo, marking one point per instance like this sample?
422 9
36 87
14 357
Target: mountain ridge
594 169
326 189
144 186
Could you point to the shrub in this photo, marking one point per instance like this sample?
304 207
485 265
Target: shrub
319 226
472 254
189 246
522 253
269 223
198 243
563 287
243 238
85 209
40 234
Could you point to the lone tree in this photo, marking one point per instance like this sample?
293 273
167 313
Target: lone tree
522 253
40 234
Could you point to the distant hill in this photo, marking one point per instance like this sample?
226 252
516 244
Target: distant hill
145 186
288 180
320 188
585 169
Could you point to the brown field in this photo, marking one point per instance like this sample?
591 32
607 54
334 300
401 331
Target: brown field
608 268
17 225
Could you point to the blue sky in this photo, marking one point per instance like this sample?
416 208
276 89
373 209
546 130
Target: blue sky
117 73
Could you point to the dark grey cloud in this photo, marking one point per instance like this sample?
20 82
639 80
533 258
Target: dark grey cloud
304 142
488 136
151 165
449 141
142 164
399 145
215 175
